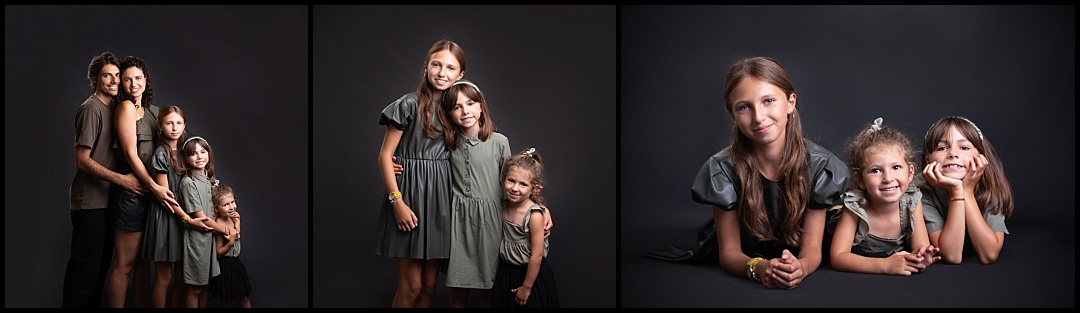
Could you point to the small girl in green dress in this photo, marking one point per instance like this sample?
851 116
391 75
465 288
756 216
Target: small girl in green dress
880 229
477 153
524 277
200 259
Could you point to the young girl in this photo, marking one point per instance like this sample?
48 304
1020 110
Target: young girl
233 283
524 278
477 153
200 259
414 223
769 190
163 241
882 217
966 192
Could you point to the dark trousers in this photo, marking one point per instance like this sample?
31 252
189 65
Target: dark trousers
91 257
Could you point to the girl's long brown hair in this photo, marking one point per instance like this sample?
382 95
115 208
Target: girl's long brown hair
425 89
793 169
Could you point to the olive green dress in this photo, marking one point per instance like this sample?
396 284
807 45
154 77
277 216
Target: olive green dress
477 219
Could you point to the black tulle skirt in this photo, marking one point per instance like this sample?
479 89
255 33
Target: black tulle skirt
544 292
232 283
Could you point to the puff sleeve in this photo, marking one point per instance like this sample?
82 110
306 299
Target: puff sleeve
160 161
716 182
829 177
400 112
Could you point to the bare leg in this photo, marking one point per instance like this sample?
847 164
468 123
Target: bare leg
193 294
485 297
163 273
204 295
140 280
408 286
459 297
429 278
179 288
127 248
245 303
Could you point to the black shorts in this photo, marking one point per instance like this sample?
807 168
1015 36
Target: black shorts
131 210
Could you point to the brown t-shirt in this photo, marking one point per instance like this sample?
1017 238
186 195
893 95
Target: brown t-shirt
93 129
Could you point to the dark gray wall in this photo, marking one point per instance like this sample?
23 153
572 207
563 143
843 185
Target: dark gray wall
548 73
239 73
1010 69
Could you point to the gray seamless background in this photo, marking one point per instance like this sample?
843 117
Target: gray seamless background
1010 69
289 96
548 73
240 73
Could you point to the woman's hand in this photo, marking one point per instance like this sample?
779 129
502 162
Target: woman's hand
165 195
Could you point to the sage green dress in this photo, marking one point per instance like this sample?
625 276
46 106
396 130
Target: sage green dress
200 257
476 231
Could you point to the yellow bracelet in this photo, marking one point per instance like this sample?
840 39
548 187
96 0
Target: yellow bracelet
185 218
956 199
750 272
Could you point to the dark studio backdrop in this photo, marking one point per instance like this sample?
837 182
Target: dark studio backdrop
1010 69
240 73
548 73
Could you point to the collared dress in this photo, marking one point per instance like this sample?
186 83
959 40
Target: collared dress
477 218
200 254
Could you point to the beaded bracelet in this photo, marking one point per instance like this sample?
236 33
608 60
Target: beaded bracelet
750 272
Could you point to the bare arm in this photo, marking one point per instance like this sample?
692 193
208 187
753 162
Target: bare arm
732 258
919 238
842 259
236 221
176 210
791 271
218 227
840 256
85 163
125 132
406 219
536 244
925 254
986 241
223 244
950 239
163 180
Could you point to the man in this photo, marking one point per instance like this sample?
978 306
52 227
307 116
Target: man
95 174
